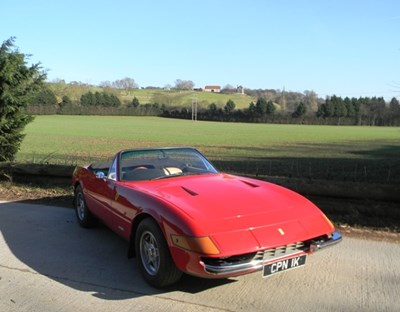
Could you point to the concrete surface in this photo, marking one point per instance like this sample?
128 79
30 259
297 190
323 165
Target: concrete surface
49 263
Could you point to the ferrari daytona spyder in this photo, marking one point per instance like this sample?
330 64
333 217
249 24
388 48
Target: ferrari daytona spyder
180 215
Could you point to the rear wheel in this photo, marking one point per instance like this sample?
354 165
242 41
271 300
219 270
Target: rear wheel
83 214
154 260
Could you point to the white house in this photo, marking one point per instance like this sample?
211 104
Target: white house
212 89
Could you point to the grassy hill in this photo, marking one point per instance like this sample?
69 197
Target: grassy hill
168 97
185 98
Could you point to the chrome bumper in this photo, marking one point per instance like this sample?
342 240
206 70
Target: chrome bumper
335 238
258 261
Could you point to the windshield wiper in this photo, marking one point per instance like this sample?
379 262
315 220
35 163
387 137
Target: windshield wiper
169 176
180 175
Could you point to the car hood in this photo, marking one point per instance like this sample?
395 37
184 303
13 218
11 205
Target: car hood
225 206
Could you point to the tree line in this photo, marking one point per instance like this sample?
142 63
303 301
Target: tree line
371 111
307 109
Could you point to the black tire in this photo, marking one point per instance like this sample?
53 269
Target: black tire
83 214
153 256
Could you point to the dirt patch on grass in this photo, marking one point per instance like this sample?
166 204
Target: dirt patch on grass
52 195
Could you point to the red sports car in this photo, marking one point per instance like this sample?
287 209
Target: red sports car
180 215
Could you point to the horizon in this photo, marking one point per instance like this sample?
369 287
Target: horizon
342 48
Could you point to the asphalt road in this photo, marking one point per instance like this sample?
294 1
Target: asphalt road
49 263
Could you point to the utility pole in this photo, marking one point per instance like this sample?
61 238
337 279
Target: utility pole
194 109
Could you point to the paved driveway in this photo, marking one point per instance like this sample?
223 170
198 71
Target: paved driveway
49 263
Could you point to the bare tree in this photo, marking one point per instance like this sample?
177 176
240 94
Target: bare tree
311 101
229 89
282 101
125 84
184 84
105 84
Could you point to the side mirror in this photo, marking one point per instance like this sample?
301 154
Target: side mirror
100 175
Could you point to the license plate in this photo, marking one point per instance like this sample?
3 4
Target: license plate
284 265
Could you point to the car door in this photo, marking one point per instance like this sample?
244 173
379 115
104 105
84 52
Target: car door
115 213
101 196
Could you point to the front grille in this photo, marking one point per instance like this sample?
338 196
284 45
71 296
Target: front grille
283 251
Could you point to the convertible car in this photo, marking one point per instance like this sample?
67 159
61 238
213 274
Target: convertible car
180 215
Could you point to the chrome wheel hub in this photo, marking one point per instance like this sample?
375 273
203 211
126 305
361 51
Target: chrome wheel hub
149 253
80 207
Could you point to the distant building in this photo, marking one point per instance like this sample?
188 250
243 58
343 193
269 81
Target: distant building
216 89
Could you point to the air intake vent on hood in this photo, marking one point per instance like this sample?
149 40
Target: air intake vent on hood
189 191
250 184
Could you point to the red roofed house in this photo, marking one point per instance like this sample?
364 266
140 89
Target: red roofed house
212 88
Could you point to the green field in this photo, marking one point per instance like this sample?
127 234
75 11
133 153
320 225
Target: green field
367 154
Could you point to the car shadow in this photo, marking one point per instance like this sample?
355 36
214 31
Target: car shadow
47 240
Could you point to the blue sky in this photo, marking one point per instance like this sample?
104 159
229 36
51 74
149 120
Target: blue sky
347 48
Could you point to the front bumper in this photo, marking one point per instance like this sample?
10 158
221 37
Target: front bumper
335 238
251 262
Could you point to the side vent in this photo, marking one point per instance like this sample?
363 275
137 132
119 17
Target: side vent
189 191
250 184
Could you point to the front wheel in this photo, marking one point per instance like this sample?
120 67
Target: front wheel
154 260
83 214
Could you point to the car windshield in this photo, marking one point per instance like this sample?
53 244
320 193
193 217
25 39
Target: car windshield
151 164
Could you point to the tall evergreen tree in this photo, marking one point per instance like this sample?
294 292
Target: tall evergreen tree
261 107
394 106
115 102
99 99
135 102
229 106
394 112
88 99
19 83
66 101
270 108
349 107
45 97
301 109
339 107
